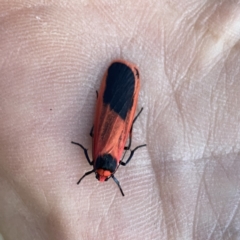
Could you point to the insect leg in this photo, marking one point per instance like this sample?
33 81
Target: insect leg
130 134
119 186
131 154
91 132
85 152
87 173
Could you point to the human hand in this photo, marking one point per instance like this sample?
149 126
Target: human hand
185 184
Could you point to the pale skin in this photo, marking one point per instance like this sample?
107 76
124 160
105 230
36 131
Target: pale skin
185 184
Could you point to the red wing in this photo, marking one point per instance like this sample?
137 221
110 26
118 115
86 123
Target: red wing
110 135
115 110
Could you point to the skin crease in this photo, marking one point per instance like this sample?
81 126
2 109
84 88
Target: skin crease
185 184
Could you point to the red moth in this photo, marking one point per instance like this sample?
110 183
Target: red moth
114 119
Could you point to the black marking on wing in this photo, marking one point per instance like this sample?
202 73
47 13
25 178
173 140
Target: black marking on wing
120 84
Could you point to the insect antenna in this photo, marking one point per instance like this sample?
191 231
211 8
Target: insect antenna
87 173
117 182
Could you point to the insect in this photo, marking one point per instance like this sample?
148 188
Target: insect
113 122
